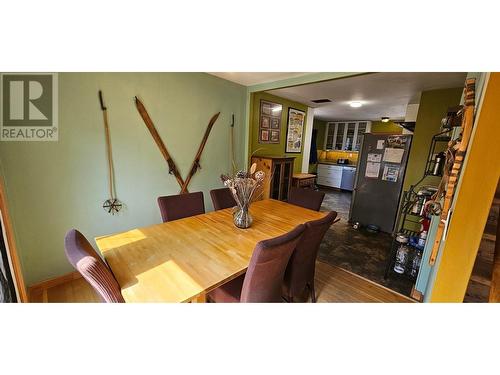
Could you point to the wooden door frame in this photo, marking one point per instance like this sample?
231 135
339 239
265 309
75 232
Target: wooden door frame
11 245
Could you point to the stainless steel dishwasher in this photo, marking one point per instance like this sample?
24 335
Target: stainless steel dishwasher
348 176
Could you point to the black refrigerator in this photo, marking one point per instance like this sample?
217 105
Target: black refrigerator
379 180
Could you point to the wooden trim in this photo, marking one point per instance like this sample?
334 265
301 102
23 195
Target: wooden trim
11 245
495 278
55 281
415 294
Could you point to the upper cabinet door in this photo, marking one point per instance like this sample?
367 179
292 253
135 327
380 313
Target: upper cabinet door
340 135
350 135
345 135
330 135
362 128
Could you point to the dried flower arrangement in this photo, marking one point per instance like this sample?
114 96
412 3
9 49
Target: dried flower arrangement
243 187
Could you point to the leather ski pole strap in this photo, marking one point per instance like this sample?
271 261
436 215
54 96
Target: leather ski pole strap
196 162
172 168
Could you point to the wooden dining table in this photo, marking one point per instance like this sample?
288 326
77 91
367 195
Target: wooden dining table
182 260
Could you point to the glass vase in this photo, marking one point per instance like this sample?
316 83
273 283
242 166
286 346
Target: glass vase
241 217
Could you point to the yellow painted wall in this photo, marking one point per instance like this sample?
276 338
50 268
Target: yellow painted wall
386 127
479 180
279 148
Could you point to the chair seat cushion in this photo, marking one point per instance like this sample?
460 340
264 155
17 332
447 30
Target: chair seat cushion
229 292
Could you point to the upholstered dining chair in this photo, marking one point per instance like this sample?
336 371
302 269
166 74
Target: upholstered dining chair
174 207
306 198
222 198
264 277
301 267
90 265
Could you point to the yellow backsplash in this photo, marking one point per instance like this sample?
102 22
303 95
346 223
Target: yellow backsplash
338 154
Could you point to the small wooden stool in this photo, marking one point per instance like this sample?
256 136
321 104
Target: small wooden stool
304 180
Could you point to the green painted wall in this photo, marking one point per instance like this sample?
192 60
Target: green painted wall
54 186
386 127
433 107
274 149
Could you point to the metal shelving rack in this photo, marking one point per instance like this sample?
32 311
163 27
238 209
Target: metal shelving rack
406 221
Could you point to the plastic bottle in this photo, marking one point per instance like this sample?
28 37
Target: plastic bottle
421 239
415 264
401 254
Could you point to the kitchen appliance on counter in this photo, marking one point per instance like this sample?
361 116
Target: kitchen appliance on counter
379 180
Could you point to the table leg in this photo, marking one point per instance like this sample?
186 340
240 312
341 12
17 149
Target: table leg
202 298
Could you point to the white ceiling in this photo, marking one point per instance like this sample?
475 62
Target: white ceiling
255 78
382 94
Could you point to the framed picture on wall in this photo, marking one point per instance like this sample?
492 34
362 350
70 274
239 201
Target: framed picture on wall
294 131
275 123
264 121
275 136
264 135
265 108
269 118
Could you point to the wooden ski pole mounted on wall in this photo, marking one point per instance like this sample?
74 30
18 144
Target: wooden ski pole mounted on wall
112 205
459 151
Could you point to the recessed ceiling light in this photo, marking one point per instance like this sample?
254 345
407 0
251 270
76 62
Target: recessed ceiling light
355 104
385 119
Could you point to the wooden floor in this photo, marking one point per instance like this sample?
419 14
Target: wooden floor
333 284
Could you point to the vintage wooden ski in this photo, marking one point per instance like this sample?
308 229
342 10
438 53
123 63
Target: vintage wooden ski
172 168
196 162
467 124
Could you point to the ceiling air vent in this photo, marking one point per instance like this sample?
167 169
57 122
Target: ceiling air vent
318 101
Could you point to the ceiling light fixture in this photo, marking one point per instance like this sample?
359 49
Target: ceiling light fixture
385 119
355 104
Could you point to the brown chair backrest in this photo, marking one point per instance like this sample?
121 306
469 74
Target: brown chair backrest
222 198
264 277
174 207
84 258
306 198
302 264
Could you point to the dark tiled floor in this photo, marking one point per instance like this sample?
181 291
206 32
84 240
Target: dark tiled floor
357 250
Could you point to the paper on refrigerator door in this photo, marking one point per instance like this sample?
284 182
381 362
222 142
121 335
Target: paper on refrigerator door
372 169
376 158
391 173
393 155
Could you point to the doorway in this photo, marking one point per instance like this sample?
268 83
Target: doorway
384 108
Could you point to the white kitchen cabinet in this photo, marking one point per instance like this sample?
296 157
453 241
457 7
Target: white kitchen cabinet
345 135
329 175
